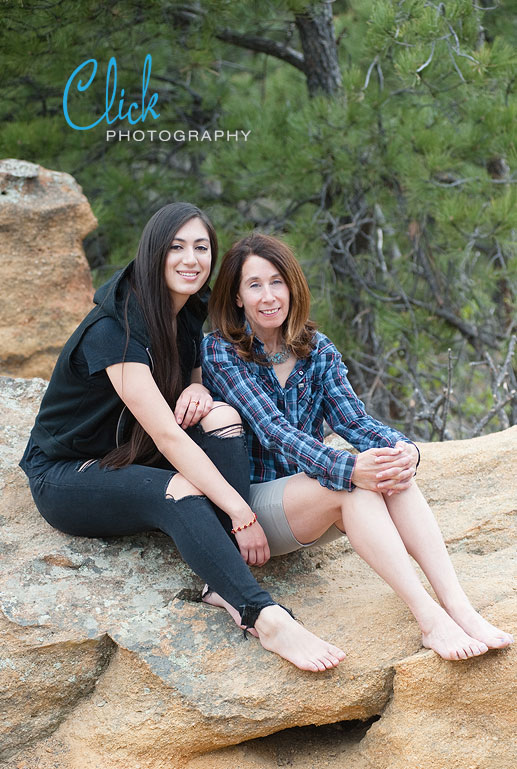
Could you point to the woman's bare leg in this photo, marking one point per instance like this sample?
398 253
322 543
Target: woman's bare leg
423 540
372 533
311 509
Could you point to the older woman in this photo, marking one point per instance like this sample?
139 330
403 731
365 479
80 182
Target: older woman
267 360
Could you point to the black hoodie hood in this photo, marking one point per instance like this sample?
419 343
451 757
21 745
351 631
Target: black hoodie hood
116 299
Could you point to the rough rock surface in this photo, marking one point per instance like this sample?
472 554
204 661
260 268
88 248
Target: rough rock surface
459 716
46 281
106 659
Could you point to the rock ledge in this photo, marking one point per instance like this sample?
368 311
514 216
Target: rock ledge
104 662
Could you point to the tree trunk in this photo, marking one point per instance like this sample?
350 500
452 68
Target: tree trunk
316 29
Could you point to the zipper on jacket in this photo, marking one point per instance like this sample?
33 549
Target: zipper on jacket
117 429
86 465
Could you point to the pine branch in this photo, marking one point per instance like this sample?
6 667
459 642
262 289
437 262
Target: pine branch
467 329
263 45
511 397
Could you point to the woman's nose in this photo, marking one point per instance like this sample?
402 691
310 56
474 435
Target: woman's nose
267 294
188 257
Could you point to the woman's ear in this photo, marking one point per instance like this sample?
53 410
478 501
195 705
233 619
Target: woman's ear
238 301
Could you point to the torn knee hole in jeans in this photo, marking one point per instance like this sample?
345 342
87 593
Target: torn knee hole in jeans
229 431
169 496
185 489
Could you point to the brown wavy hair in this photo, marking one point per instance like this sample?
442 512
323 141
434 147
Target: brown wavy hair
149 286
229 319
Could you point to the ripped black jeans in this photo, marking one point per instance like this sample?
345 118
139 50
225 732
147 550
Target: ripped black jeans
82 499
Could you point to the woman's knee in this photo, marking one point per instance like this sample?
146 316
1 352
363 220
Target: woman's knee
178 487
359 499
222 417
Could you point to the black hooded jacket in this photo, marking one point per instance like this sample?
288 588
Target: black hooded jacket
81 416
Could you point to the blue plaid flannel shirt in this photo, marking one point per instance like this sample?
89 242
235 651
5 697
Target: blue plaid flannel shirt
285 424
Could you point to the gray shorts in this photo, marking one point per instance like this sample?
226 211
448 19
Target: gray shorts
267 503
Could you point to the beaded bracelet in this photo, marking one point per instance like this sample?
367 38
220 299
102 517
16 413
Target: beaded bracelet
246 525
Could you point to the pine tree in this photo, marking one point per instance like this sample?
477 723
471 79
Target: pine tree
382 147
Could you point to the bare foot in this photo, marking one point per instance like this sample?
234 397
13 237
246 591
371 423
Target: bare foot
441 634
278 632
214 599
474 624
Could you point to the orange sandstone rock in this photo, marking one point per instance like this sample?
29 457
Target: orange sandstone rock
46 281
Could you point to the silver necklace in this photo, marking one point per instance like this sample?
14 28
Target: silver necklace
277 357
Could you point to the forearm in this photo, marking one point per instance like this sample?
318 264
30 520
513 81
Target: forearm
332 467
346 413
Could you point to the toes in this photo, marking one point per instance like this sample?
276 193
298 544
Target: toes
337 652
327 660
495 642
476 650
500 641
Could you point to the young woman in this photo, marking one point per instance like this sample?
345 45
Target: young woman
128 440
267 360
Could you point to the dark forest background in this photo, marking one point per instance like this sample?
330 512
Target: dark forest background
382 148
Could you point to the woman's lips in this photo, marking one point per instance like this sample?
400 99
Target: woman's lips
270 313
188 275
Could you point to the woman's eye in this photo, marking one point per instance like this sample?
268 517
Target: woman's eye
202 248
277 282
175 247
254 285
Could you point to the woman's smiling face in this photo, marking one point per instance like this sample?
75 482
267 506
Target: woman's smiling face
187 265
263 295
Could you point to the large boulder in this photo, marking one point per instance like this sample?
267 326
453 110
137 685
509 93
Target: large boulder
128 670
455 716
46 281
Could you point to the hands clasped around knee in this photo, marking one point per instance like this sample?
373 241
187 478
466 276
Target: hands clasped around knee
386 470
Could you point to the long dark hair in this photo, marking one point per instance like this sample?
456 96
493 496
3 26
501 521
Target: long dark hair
152 294
229 319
